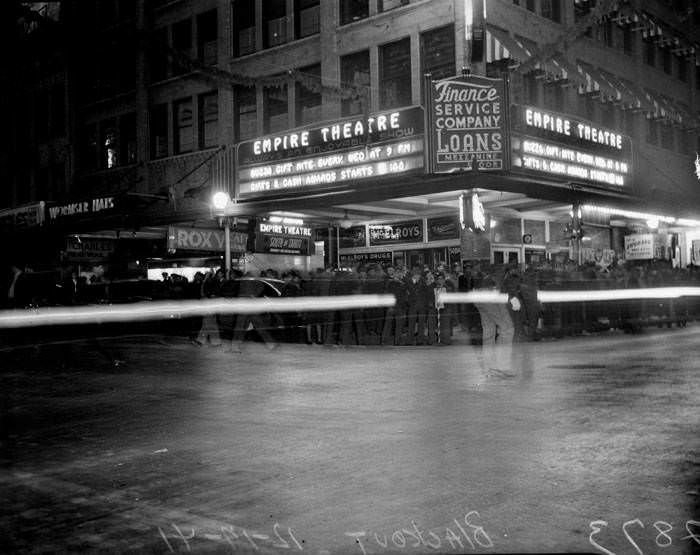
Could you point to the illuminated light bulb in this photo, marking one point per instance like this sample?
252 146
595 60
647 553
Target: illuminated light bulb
220 200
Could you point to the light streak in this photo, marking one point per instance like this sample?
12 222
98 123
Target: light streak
573 296
159 310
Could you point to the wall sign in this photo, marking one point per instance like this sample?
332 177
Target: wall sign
389 234
639 246
355 236
445 227
86 207
277 238
332 155
383 258
568 147
23 217
87 249
469 116
196 239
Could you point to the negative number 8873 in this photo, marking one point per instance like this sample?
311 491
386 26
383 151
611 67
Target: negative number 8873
635 528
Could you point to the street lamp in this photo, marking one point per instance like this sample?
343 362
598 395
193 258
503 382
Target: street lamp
220 201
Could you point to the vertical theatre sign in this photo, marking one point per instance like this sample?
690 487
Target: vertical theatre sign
469 120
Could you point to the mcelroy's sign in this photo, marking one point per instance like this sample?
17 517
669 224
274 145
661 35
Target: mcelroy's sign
403 232
469 120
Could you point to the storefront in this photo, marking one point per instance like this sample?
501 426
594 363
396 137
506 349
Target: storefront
530 168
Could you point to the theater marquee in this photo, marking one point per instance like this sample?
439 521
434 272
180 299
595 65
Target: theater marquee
332 154
563 146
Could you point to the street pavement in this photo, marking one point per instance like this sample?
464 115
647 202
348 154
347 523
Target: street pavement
331 450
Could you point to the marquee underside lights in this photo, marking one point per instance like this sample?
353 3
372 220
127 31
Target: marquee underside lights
647 217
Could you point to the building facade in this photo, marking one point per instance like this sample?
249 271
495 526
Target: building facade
132 112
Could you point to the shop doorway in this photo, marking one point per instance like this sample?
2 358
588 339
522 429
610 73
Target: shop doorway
505 256
535 257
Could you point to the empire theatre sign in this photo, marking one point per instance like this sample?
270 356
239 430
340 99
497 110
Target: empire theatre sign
562 145
332 154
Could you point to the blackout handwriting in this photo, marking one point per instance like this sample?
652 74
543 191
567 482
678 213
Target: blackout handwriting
458 536
634 530
177 538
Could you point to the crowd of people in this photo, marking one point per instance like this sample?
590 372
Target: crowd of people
420 316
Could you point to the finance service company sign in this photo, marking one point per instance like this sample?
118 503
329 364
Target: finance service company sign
332 155
470 124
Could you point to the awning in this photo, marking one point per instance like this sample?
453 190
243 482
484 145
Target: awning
500 45
625 16
630 97
595 84
641 102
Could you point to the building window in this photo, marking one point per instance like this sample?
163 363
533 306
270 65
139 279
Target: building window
41 115
551 9
275 109
106 13
386 5
530 5
307 17
608 115
354 72
628 120
608 30
437 53
308 101
246 113
667 136
157 56
554 97
158 123
650 52
58 109
274 22
208 119
109 144
58 180
628 40
244 27
183 126
666 60
41 183
652 131
590 108
207 34
395 74
353 10
682 68
127 9
531 89
684 142
89 149
182 44
127 133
